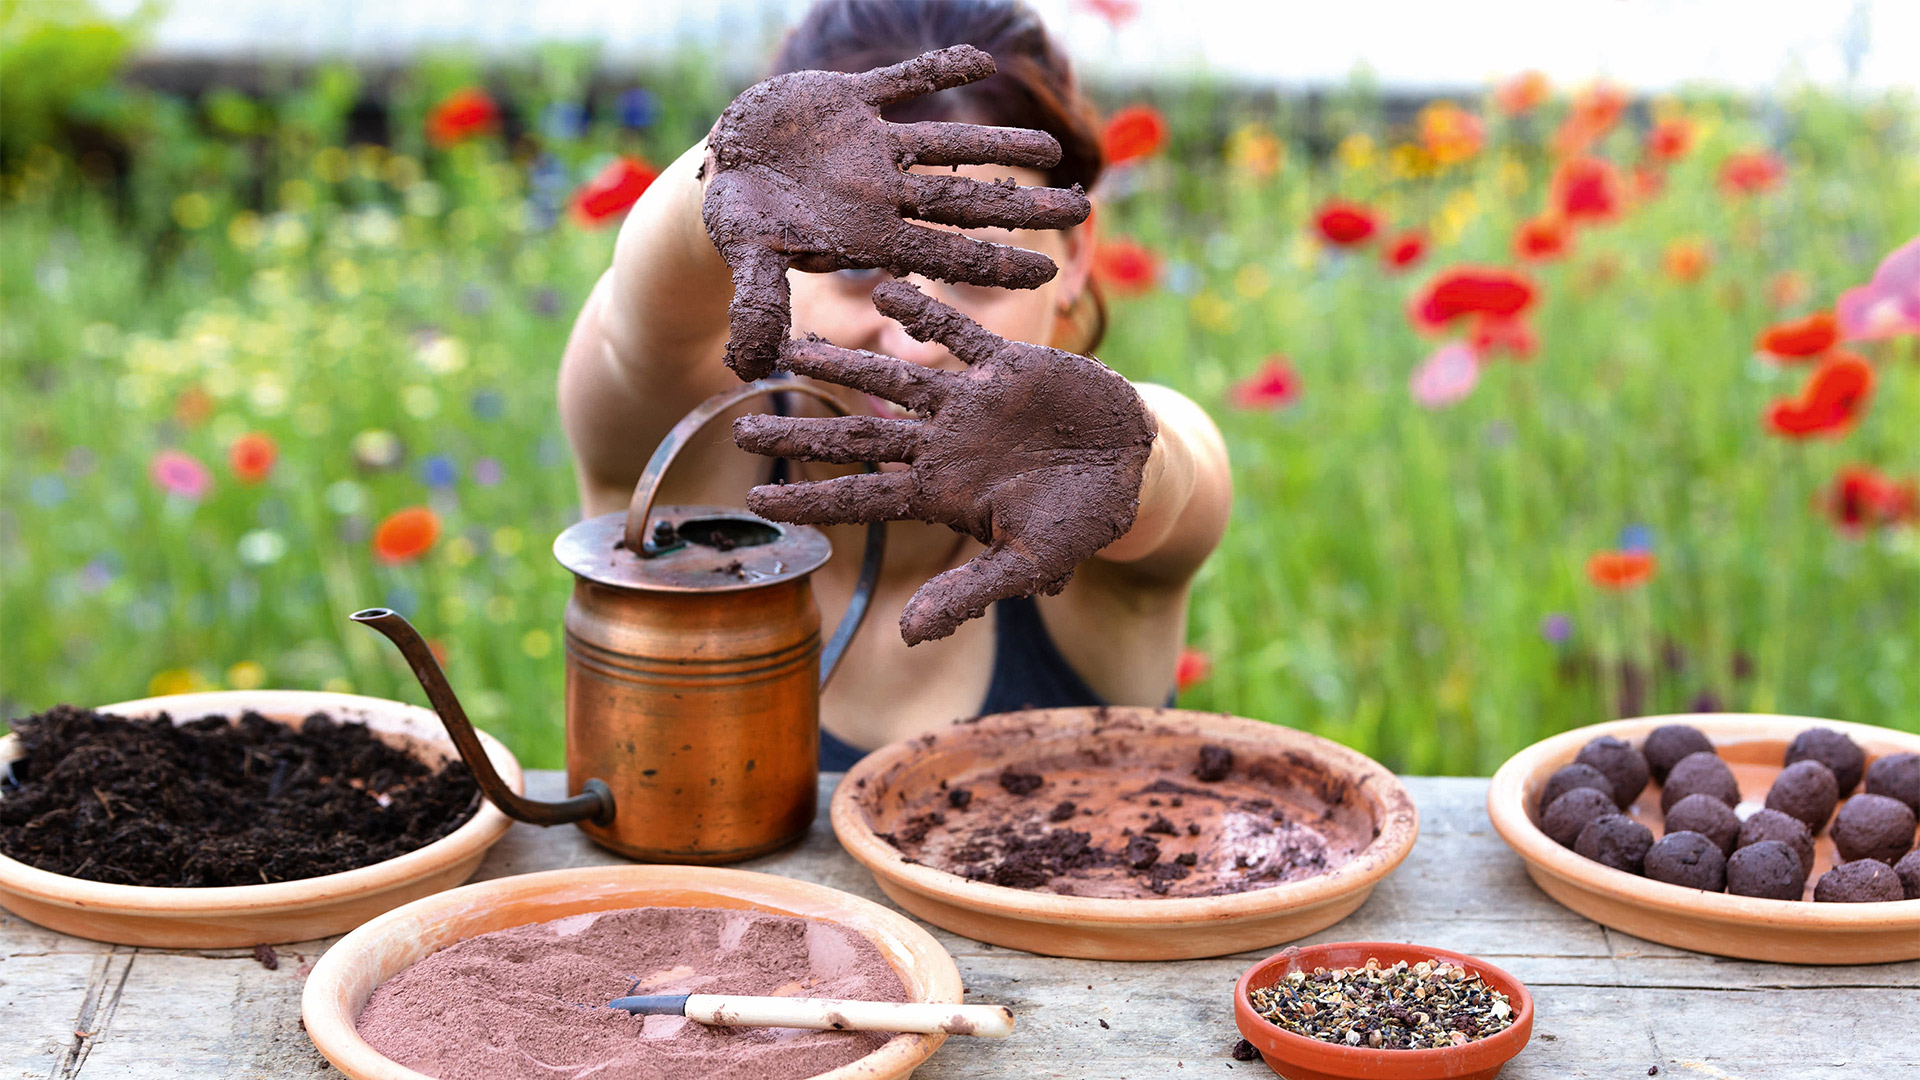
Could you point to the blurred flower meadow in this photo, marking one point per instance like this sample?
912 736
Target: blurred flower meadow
1545 405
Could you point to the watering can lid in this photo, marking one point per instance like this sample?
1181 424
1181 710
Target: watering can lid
709 549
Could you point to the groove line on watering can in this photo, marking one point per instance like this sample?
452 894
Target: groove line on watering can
588 653
681 677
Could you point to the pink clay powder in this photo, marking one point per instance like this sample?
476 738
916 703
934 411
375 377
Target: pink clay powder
529 1003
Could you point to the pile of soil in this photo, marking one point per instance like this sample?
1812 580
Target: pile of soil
212 802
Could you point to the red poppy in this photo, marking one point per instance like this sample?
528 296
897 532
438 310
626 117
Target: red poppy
1800 339
1542 238
1621 569
252 456
1829 404
1275 386
1405 250
1648 182
1686 260
1118 13
1670 140
1471 290
1449 133
610 194
1346 224
1523 93
1587 190
1511 336
1134 132
406 534
1788 288
1595 111
1124 266
461 115
1751 172
1193 667
1862 497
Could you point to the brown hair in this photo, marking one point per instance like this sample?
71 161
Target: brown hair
1033 85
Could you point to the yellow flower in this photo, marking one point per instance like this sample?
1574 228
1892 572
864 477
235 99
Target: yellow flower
1252 281
1212 312
176 681
1254 150
247 675
1356 152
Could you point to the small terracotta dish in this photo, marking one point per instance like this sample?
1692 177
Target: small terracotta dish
1319 782
1297 1057
1746 927
241 915
347 975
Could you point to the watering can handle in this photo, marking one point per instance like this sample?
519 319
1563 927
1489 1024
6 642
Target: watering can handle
641 508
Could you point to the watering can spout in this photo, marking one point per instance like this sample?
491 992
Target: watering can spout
595 801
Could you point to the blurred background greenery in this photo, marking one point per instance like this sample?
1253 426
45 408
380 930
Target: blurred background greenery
247 322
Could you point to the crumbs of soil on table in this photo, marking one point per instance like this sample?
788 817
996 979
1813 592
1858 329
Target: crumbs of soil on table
1021 783
1393 1007
1244 1051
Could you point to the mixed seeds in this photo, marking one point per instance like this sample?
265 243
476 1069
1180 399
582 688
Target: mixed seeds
1398 1006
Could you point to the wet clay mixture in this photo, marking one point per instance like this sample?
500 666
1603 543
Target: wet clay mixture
212 803
1209 826
1034 452
529 1003
803 172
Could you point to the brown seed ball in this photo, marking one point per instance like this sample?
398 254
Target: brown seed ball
1807 790
1621 764
1568 777
1767 825
1667 744
1687 858
1615 840
1832 749
1571 812
1862 882
1897 776
1873 827
1769 869
1699 774
1707 816
1909 870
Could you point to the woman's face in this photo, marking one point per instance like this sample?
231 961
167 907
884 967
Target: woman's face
839 306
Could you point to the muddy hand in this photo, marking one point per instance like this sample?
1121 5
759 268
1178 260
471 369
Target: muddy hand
1035 452
802 171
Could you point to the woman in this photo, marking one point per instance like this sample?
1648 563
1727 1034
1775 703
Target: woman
651 342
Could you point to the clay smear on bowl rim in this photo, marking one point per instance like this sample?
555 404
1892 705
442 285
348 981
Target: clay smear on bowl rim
888 786
238 916
1746 927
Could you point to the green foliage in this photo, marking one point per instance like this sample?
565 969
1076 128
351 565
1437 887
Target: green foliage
58 59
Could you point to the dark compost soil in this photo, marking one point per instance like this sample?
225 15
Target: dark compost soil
212 802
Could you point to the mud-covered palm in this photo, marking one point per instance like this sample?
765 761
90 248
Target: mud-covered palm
802 172
1035 452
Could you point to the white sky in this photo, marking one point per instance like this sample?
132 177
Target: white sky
1648 44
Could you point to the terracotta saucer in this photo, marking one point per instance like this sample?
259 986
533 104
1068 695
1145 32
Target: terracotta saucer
241 915
1750 928
347 975
1302 771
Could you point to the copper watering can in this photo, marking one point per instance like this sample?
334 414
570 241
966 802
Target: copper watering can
694 668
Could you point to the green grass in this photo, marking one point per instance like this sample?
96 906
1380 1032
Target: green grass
1387 570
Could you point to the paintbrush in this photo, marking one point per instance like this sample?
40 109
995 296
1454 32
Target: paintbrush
825 1014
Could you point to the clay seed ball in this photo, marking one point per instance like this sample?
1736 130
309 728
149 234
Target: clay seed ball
1568 777
1873 827
1832 749
1864 882
1807 790
1773 825
1571 812
1897 776
1687 858
1707 816
1667 744
1909 870
1621 764
1767 869
1699 773
1615 840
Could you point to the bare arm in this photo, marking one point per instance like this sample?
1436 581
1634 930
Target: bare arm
1186 495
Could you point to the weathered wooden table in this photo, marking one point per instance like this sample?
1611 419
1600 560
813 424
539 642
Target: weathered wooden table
1609 1005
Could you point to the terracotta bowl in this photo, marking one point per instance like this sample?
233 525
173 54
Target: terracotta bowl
346 976
1747 927
1297 1057
241 915
888 784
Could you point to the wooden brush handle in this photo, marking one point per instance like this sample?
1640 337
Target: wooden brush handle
827 1014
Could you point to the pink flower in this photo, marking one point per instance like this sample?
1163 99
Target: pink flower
1889 305
1445 377
181 474
1275 386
